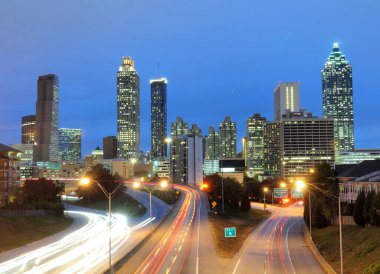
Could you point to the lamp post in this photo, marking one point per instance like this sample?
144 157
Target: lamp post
163 184
265 190
109 195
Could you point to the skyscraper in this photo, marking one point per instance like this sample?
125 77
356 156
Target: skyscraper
158 118
109 147
128 110
337 99
70 144
254 145
272 148
195 130
28 125
179 127
227 138
286 97
47 119
212 144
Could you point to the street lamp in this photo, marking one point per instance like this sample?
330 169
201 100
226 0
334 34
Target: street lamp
282 184
109 195
265 189
301 184
163 184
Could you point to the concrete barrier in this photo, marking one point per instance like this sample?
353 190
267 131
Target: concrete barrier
325 265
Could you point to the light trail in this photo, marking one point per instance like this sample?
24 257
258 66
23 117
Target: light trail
82 251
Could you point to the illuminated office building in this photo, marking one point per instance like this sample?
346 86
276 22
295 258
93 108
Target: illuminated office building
212 144
337 99
254 144
227 138
272 149
109 147
28 125
179 127
47 119
286 97
70 144
158 118
128 110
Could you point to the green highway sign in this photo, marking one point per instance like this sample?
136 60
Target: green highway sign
297 193
280 192
230 232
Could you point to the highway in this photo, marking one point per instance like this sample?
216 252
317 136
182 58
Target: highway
83 248
277 245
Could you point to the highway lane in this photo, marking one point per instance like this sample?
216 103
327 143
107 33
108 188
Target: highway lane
169 247
277 246
83 248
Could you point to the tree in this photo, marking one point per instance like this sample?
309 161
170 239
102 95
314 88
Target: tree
245 205
375 209
44 194
320 220
367 207
359 209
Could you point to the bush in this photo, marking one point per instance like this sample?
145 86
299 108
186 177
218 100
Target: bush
245 203
359 209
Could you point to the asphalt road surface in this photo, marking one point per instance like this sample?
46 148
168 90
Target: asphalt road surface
277 246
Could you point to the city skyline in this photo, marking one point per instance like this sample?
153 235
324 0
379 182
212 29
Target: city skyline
245 84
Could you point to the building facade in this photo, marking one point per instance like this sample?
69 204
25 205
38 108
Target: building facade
47 119
337 98
304 143
179 127
9 173
110 147
70 144
128 110
212 144
158 118
28 125
356 156
272 149
286 97
254 144
227 138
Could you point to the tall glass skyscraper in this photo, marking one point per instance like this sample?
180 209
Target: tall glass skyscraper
47 120
128 110
254 146
70 144
158 118
337 99
227 138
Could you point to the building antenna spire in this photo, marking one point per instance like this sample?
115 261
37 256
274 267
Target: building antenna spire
158 66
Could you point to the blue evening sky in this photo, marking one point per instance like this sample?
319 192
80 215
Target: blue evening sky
220 57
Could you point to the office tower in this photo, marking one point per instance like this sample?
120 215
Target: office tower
337 99
305 142
227 138
28 124
272 148
254 145
159 118
128 110
70 144
47 119
179 127
26 152
286 97
110 147
195 130
212 144
186 160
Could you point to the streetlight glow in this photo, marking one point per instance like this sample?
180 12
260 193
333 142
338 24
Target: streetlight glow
164 184
136 185
84 181
300 184
282 184
265 189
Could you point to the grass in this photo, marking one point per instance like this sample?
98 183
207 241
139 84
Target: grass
17 231
121 203
361 248
245 223
169 196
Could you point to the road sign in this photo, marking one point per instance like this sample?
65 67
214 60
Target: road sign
280 192
229 232
297 193
214 204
